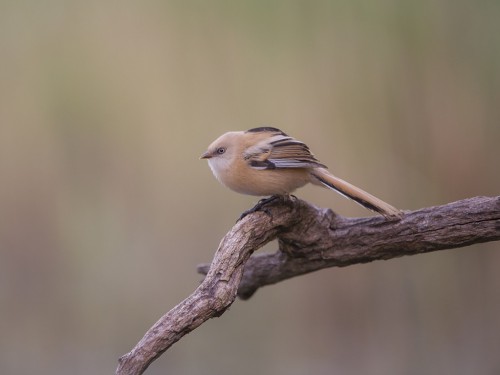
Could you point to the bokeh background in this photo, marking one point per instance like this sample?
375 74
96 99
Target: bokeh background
105 208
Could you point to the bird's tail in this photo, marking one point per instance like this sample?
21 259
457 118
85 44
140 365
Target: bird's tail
320 176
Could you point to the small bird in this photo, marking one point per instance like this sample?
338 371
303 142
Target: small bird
265 161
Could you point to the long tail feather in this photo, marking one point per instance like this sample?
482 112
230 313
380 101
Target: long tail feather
323 177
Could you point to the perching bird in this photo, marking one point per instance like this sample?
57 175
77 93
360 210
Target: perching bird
265 161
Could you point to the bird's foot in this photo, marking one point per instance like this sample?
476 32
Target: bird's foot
260 206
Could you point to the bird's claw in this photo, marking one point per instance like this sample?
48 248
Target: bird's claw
260 206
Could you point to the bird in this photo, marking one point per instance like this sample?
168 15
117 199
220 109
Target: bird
265 161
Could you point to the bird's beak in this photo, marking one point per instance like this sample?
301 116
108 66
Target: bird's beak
206 155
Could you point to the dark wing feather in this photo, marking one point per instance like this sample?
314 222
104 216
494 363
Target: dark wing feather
281 152
266 129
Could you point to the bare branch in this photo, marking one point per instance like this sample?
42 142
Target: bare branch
310 239
324 239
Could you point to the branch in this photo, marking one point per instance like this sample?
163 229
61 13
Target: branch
310 239
323 239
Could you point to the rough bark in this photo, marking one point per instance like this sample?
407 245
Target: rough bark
310 239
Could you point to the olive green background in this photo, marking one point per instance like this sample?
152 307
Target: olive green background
105 208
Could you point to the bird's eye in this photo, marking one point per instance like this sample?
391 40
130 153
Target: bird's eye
221 150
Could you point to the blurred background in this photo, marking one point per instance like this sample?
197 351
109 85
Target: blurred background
105 208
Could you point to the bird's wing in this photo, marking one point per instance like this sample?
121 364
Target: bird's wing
281 151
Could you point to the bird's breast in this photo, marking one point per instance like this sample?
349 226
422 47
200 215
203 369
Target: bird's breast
240 177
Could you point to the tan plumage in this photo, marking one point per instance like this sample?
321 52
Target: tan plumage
265 161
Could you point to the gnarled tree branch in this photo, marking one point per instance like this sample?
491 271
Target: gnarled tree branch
310 239
327 240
